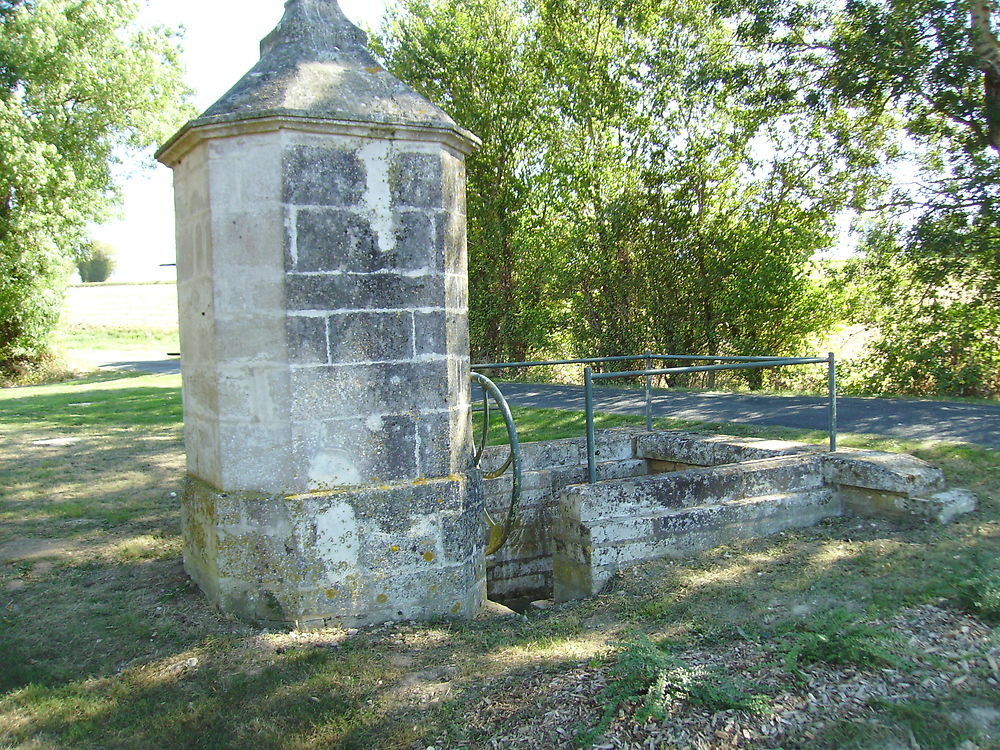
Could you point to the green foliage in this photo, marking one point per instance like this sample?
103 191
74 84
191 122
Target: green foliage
837 637
981 595
932 69
80 84
604 216
646 676
936 331
98 263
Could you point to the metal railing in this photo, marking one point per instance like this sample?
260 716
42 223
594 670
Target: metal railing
648 373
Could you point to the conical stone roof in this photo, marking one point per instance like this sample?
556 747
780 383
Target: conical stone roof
316 64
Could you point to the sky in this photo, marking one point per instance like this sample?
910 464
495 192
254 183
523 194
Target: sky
221 43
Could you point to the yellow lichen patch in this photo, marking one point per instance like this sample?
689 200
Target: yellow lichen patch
331 593
429 556
394 548
381 598
457 608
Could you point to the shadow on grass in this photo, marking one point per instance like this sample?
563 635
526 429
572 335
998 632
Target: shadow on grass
131 655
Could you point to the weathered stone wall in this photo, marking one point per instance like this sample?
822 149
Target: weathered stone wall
377 311
571 537
344 558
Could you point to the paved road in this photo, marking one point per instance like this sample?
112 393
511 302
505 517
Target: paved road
915 420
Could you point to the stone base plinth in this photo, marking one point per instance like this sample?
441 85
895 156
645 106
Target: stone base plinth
345 558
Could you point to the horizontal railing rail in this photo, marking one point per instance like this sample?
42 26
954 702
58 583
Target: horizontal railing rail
647 357
589 377
648 373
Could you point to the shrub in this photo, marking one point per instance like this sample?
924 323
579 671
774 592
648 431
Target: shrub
98 264
981 595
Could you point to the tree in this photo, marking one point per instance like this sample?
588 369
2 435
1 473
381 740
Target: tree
933 67
645 181
80 85
97 263
475 58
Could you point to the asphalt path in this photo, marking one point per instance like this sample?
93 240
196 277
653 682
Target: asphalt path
913 420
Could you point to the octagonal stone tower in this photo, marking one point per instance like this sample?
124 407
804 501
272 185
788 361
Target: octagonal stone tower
322 279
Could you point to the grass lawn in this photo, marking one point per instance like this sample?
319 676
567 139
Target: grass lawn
854 634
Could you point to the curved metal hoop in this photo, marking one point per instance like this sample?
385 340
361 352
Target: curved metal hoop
499 533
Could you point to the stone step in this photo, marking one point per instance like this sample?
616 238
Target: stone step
694 449
553 480
587 557
657 494
611 445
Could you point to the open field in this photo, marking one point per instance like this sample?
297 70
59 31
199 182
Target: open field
855 634
119 318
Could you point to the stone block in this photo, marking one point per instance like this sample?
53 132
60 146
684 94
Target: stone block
694 449
457 335
416 180
250 338
884 472
251 455
431 334
318 176
457 292
657 493
320 393
359 451
452 237
444 447
371 336
253 394
307 340
334 240
942 507
417 245
349 291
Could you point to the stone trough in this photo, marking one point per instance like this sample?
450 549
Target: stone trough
670 494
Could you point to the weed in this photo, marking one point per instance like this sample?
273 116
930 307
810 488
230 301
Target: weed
941 724
837 637
980 595
647 676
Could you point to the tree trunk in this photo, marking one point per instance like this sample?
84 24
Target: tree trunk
987 48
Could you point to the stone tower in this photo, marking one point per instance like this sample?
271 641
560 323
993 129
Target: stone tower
322 278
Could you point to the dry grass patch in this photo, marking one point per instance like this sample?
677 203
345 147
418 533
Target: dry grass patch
106 644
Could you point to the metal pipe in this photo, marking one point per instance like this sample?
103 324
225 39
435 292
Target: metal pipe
832 366
625 358
756 365
485 438
588 385
649 392
499 534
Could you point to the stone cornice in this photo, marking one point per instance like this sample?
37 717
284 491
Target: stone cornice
209 128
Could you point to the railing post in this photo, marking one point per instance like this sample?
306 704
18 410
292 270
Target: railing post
649 392
832 367
588 386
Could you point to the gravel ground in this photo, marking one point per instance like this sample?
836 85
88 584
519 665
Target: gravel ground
950 653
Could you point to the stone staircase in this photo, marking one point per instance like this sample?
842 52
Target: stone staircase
671 494
604 527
